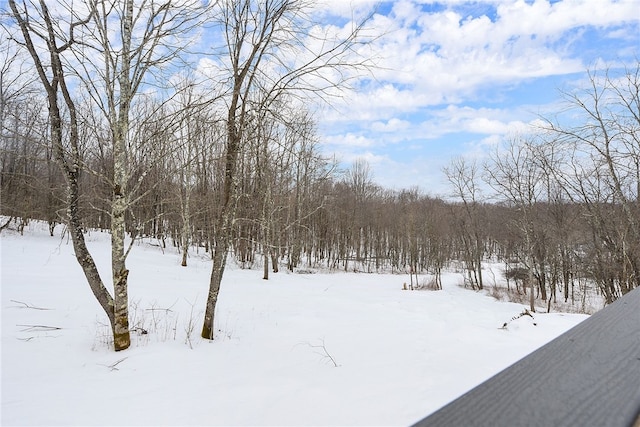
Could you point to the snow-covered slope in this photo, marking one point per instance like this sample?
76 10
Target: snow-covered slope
400 355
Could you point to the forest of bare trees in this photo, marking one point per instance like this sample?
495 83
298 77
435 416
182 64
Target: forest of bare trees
99 132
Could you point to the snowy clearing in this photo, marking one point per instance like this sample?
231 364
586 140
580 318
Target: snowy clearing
299 349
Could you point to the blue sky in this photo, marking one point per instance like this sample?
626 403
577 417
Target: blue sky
454 78
458 77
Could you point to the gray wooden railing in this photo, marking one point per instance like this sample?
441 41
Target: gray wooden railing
589 376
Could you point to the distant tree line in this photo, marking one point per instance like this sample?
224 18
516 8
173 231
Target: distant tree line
232 164
565 205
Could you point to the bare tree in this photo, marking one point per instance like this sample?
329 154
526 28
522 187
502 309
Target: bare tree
64 131
28 190
599 167
359 181
190 132
516 176
267 58
463 177
133 39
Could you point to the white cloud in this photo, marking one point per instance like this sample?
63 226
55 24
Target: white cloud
433 66
342 8
375 161
392 125
445 57
421 171
348 140
483 121
436 69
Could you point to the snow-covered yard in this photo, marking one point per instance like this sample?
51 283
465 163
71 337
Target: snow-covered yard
299 349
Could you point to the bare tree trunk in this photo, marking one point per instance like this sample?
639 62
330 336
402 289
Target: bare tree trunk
479 250
120 273
265 267
82 252
186 224
266 222
222 238
532 295
219 260
119 202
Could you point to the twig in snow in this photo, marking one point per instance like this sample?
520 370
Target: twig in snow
29 306
324 352
113 367
166 310
30 338
39 328
191 325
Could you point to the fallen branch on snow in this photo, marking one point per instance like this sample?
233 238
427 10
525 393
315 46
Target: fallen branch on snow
525 312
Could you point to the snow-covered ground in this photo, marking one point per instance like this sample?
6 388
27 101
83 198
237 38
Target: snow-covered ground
400 355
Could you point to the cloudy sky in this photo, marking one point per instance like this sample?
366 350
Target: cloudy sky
457 77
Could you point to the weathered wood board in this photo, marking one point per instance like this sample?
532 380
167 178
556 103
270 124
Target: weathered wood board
589 376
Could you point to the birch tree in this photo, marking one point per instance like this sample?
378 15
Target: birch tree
133 39
107 48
